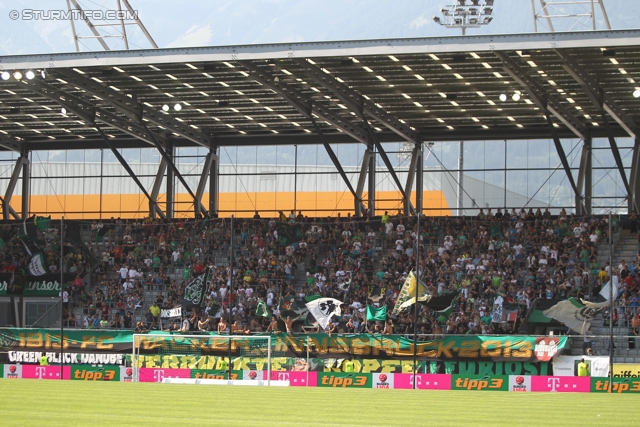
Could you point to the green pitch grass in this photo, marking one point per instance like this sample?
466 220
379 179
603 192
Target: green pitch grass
75 403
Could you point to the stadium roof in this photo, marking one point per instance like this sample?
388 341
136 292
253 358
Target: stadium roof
576 85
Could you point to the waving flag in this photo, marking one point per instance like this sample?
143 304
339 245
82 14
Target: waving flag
376 313
407 295
323 309
576 314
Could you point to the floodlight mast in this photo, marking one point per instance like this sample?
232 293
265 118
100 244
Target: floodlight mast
466 14
106 22
568 15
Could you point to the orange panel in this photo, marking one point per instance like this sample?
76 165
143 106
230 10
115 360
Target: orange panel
313 204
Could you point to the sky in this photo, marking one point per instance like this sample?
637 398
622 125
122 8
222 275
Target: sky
230 22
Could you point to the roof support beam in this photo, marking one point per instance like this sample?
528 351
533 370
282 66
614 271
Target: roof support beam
605 104
539 95
356 102
634 176
359 207
415 173
208 161
91 113
585 180
363 107
304 105
383 155
600 98
133 109
130 171
15 175
155 191
307 108
366 160
214 183
616 154
170 191
565 162
11 143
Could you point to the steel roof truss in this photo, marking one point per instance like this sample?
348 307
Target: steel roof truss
600 98
543 99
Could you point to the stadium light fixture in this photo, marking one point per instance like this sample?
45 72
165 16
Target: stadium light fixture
177 107
636 93
17 75
503 97
29 74
5 75
165 108
465 15
63 111
516 97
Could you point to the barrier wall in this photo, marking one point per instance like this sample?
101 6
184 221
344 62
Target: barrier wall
511 383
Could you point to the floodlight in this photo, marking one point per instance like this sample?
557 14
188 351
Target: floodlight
177 107
17 75
636 93
5 75
63 111
165 107
516 97
503 97
29 75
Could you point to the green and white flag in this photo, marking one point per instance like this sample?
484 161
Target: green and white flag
376 313
262 310
576 314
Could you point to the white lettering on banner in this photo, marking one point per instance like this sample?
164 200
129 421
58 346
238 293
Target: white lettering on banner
40 372
171 312
553 383
69 358
158 375
4 286
42 286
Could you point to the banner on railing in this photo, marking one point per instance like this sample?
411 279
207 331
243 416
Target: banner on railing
476 349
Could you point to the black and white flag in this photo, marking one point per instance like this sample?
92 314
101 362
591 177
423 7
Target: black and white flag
323 309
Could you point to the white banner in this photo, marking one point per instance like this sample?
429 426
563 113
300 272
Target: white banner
36 265
567 366
171 312
496 313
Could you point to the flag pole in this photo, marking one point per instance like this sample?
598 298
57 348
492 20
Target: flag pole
229 291
610 304
415 308
61 297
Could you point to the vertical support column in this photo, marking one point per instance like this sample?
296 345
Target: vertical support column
202 182
461 178
419 179
214 182
169 210
371 187
633 179
584 180
361 179
153 207
15 175
26 184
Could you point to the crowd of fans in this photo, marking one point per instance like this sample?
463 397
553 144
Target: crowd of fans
131 269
